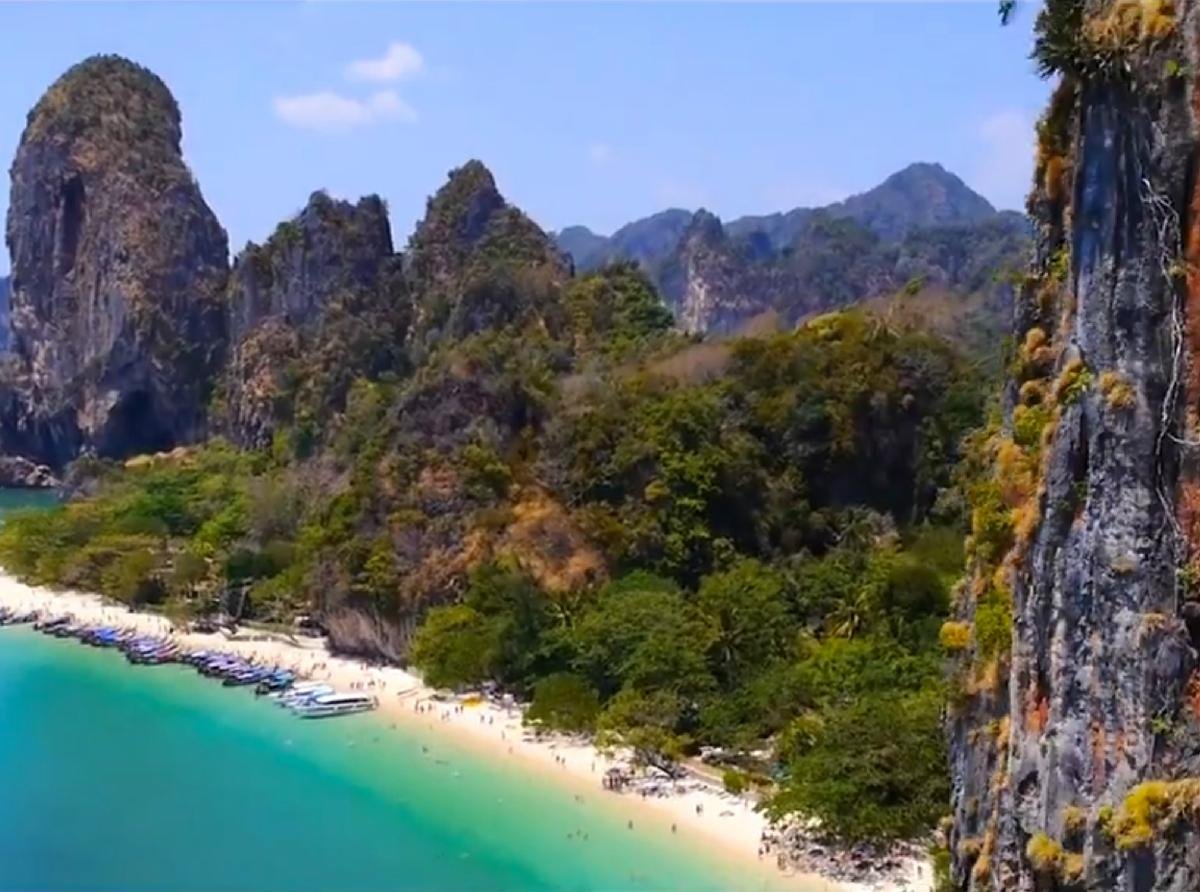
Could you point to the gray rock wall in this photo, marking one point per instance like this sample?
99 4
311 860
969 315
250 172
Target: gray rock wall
118 268
1099 693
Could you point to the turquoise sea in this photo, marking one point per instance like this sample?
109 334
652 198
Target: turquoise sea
121 778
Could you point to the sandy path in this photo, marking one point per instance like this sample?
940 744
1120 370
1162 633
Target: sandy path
698 806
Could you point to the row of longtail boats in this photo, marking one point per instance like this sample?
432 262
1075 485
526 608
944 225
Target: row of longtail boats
309 699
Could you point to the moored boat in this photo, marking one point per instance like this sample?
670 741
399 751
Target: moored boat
302 692
248 676
327 705
16 618
279 680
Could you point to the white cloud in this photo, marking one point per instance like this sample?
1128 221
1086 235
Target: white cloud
1004 169
388 104
400 61
331 112
599 153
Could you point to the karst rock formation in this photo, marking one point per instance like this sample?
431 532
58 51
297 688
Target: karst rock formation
1075 709
118 271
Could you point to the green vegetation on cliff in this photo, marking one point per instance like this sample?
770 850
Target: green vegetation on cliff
680 551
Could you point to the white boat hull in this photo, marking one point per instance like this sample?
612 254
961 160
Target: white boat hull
317 710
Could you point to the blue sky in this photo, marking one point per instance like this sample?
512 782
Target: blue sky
586 113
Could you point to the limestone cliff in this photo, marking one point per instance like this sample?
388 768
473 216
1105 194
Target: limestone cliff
325 274
1075 726
478 263
713 283
5 322
716 282
118 267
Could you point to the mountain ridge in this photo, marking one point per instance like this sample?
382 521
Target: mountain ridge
922 226
869 207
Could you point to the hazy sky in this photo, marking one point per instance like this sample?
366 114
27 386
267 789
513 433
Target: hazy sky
586 113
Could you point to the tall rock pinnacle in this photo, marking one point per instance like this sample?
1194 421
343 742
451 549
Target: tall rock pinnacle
1075 716
118 267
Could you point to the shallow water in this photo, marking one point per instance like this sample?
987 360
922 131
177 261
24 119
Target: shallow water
113 777
121 778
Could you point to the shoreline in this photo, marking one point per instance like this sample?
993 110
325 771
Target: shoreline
702 811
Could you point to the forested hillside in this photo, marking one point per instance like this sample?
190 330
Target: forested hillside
677 545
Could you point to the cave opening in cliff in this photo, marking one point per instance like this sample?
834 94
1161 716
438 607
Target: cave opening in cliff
134 427
72 224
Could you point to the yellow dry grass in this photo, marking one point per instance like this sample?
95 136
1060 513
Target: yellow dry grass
548 544
1126 23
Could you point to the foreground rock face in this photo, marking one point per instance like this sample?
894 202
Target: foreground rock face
118 269
5 323
1075 755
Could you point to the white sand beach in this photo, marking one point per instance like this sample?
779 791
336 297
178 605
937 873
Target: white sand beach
695 806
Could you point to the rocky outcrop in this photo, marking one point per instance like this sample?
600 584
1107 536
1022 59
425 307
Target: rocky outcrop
329 246
118 268
478 263
712 283
21 473
358 630
254 384
1074 730
330 264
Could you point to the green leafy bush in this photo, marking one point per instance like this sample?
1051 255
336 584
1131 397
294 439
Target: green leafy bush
872 769
565 702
